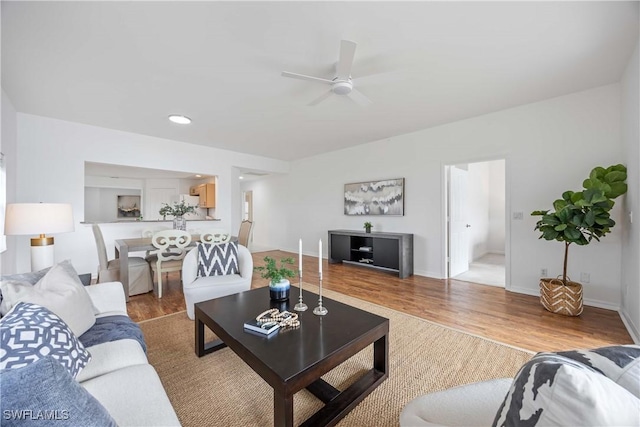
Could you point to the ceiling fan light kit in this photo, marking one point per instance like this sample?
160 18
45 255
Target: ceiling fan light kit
342 84
342 87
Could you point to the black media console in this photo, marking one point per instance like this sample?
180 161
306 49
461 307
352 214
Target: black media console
383 251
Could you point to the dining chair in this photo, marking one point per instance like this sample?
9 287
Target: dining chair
215 236
140 280
244 233
171 247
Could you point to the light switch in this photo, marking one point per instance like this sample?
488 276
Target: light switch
518 215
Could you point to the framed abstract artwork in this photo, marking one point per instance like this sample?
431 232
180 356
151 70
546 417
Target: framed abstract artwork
128 206
384 197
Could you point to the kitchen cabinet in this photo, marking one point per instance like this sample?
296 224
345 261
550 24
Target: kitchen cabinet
206 193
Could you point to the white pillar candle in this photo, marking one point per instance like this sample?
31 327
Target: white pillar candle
300 255
320 257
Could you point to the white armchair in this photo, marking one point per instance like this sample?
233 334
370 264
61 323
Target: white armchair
197 289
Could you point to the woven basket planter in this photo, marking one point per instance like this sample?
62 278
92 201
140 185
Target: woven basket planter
561 299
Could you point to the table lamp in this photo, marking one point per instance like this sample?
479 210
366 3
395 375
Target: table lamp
39 218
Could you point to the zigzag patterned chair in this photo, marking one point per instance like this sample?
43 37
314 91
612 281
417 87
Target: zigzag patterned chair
211 272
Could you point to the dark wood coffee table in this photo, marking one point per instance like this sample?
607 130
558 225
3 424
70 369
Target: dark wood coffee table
292 360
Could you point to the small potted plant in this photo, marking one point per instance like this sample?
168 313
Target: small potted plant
367 227
579 217
177 211
279 285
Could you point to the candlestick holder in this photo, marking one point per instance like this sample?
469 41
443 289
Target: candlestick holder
300 306
320 310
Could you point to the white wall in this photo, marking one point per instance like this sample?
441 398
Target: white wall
8 146
478 208
630 292
550 147
497 219
486 207
50 168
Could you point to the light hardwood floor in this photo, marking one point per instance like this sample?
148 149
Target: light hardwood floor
488 311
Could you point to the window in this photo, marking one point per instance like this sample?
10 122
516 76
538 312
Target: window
3 202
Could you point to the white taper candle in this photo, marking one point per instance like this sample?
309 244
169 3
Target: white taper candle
320 257
300 255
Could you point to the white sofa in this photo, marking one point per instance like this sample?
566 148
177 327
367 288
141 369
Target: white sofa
197 289
119 375
596 387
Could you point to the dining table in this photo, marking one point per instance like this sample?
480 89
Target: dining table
125 246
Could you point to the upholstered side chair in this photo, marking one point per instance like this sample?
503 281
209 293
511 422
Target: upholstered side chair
140 280
245 233
197 289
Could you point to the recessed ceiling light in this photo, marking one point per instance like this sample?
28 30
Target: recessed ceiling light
181 120
198 176
241 177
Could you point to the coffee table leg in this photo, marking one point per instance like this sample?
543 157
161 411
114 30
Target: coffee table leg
381 355
199 337
282 410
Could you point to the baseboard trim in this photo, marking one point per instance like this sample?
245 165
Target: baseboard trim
635 334
429 274
586 301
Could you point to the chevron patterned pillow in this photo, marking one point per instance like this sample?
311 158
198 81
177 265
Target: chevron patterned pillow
555 389
217 259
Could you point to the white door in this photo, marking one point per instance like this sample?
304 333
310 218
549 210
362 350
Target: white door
458 226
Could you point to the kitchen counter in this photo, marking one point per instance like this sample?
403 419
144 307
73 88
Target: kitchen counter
130 221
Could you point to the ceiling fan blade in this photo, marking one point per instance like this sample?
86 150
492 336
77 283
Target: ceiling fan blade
360 98
347 53
303 77
321 98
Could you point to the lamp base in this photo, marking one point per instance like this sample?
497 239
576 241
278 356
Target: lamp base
41 253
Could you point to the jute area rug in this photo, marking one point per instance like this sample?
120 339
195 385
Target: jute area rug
221 390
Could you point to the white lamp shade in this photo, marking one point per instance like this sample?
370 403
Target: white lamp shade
38 218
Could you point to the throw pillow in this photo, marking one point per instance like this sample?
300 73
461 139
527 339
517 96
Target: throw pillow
217 259
30 332
61 291
31 277
43 393
554 390
620 363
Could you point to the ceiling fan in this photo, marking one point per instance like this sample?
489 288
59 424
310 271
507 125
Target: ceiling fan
342 83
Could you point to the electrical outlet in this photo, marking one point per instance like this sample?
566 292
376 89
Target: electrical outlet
585 277
518 215
543 272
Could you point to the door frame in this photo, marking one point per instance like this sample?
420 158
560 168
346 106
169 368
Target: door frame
444 192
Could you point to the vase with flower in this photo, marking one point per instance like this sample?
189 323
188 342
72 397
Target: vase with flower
177 211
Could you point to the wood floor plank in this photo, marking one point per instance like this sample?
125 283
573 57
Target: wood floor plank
488 311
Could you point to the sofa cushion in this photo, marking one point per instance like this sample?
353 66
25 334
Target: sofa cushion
134 396
43 393
620 363
61 291
217 259
552 389
480 402
111 356
113 328
30 332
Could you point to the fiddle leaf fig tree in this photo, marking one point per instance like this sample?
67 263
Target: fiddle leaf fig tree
579 217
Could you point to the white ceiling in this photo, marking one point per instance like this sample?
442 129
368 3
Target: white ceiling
127 65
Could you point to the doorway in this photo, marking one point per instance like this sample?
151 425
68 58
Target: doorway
476 222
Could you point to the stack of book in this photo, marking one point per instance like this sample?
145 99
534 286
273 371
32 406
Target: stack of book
262 328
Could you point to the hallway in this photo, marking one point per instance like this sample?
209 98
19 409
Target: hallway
486 270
